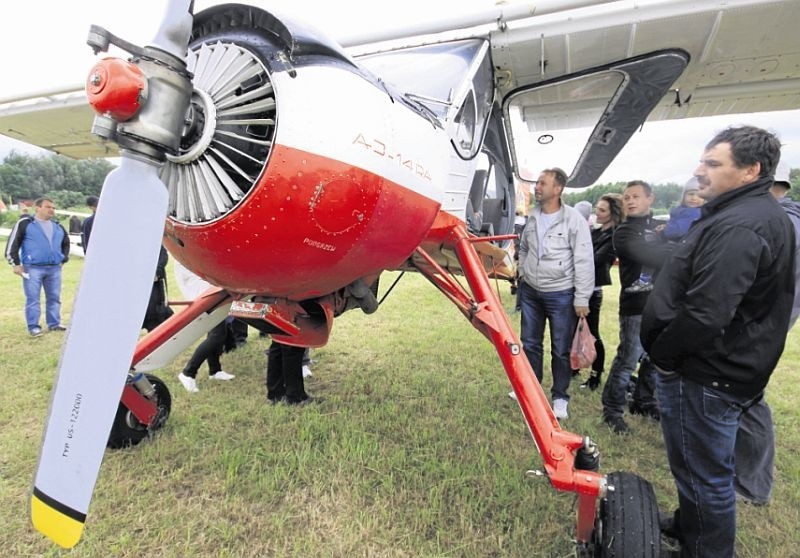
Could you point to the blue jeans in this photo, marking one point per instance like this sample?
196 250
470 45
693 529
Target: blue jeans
557 308
629 353
699 426
49 277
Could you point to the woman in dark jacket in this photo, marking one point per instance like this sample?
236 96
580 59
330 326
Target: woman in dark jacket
609 213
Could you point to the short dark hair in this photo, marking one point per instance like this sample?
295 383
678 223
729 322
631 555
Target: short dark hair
91 201
40 201
750 145
559 175
645 186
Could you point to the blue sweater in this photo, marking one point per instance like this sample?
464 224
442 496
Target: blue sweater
680 219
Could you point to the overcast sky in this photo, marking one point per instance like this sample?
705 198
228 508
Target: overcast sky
44 46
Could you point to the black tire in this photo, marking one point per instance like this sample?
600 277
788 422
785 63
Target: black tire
127 430
627 524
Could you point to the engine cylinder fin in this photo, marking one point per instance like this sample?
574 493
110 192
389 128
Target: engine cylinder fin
244 73
244 138
228 136
225 100
230 163
259 106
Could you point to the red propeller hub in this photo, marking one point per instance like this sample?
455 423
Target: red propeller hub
116 88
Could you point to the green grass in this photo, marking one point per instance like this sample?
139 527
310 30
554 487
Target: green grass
416 450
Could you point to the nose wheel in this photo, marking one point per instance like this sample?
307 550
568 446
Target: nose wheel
127 430
627 523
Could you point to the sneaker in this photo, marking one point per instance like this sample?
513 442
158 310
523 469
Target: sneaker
58 327
560 408
618 425
35 332
189 383
221 375
512 395
307 371
639 287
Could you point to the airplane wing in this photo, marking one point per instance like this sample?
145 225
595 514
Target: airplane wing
744 56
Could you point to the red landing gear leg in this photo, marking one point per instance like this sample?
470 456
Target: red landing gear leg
484 311
146 402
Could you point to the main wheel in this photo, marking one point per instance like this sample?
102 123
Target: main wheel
127 430
627 525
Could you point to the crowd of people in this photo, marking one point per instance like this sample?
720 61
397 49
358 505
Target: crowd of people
706 301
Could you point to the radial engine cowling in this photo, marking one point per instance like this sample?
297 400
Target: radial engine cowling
298 172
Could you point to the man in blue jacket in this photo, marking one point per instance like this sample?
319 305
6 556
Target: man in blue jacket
36 249
715 325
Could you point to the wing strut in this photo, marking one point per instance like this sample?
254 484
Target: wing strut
484 310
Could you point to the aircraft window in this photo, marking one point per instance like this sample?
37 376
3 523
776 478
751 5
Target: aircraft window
551 125
466 121
581 122
430 73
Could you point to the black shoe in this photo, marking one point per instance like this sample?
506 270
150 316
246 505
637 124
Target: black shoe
59 327
618 425
652 412
276 400
669 525
593 382
303 402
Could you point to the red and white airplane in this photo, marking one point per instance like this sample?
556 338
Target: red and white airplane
290 171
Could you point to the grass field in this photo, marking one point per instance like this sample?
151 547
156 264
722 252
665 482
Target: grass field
416 449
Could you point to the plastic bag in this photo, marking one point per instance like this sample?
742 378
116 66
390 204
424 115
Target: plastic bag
583 352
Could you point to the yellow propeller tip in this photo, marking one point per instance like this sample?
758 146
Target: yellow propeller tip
60 526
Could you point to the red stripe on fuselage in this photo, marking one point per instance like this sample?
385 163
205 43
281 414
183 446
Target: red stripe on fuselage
309 227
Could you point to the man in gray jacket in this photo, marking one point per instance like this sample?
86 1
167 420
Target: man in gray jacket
556 270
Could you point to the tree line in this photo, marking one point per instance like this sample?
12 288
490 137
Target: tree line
67 181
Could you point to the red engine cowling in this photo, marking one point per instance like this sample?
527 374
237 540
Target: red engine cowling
299 172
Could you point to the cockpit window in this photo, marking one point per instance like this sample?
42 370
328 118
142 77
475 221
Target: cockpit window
453 80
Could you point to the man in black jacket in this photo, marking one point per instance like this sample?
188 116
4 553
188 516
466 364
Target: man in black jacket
638 247
715 326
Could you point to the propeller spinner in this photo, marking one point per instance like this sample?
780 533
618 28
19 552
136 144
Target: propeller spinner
142 106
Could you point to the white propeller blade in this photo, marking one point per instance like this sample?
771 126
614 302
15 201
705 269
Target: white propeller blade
106 322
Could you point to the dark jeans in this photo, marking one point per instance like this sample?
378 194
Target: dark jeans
557 308
755 454
209 350
593 319
699 426
285 373
629 352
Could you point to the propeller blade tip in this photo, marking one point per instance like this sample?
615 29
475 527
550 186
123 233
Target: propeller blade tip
63 526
